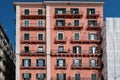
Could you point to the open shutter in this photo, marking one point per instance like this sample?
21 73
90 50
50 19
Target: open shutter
29 62
96 36
80 62
56 11
96 49
90 49
74 49
64 62
64 11
96 62
64 76
43 62
79 49
57 62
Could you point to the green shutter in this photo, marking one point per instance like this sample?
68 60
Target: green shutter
80 49
80 62
77 76
93 76
56 11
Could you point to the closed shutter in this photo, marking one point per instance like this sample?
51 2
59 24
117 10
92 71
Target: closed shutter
77 76
93 76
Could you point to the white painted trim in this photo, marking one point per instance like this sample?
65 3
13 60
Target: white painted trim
48 41
17 42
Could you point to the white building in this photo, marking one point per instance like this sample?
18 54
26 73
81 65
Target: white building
111 49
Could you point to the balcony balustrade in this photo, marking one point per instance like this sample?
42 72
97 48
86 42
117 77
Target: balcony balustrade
33 27
60 40
32 15
33 40
69 15
93 15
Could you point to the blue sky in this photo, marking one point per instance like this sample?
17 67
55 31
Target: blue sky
7 14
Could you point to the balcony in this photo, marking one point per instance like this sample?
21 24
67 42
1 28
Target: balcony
82 78
93 16
33 27
33 66
32 53
86 66
84 40
70 53
68 15
94 27
64 66
69 26
33 40
62 40
57 53
32 15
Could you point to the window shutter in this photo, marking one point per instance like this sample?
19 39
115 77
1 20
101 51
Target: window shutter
80 49
74 49
64 11
96 37
89 36
71 11
43 62
22 62
90 49
96 62
64 62
57 76
57 62
96 49
93 76
77 76
64 76
29 62
37 62
89 62
80 62
88 11
56 11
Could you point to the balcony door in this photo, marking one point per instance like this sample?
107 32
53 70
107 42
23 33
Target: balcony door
93 36
76 49
91 11
60 36
26 76
61 76
40 62
77 62
26 62
60 49
40 23
60 10
60 23
61 62
92 23
93 49
40 49
93 62
76 36
40 36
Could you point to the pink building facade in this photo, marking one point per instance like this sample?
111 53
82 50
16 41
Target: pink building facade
59 40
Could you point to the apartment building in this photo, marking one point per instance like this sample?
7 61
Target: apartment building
111 49
7 57
59 40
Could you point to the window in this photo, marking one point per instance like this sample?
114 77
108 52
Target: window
40 23
61 62
60 36
40 62
92 23
93 62
76 49
40 49
60 49
77 62
26 76
76 22
26 49
76 36
40 11
74 11
26 62
93 76
61 76
91 11
40 36
60 23
93 49
26 23
26 36
26 12
93 36
60 11
77 76
40 76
